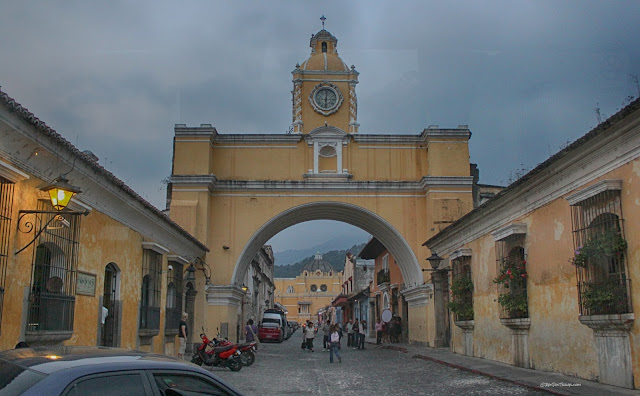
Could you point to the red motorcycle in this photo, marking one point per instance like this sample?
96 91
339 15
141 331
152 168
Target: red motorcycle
218 356
247 349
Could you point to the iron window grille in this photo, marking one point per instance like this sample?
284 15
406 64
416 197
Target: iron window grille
151 283
599 241
53 272
6 206
174 299
462 289
512 265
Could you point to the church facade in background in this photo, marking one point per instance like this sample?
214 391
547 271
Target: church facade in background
307 295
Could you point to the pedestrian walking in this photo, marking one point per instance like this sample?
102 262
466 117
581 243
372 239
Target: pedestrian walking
379 327
309 335
362 327
250 332
326 332
334 344
350 333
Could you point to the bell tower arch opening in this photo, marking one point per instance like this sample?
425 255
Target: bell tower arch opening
338 211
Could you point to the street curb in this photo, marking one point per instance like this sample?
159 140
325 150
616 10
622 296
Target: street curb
459 367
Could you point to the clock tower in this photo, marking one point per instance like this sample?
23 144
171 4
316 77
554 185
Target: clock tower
324 88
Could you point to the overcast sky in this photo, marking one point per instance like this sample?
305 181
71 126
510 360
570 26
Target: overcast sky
114 77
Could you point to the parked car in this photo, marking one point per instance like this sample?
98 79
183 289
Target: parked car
270 332
275 317
88 371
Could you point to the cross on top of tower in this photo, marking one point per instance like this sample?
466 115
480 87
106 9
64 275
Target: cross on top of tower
322 18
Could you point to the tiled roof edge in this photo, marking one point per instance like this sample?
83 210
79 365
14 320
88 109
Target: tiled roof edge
28 116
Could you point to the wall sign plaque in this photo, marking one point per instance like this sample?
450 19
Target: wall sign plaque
86 284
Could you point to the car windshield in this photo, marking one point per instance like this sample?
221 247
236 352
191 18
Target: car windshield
268 320
16 379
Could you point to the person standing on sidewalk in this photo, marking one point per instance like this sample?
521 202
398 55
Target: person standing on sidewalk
334 343
326 332
379 331
183 332
350 333
309 335
355 338
362 327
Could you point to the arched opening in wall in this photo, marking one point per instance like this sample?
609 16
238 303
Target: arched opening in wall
299 227
110 310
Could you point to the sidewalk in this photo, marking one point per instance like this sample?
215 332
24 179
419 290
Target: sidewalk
553 383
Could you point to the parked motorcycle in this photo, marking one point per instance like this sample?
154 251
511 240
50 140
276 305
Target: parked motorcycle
217 356
247 349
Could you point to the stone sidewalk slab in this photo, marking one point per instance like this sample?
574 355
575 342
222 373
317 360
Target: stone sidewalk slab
552 383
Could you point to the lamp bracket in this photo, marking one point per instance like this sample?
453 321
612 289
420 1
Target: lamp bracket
26 226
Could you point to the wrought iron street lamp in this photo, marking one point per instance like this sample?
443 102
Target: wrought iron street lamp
60 193
435 261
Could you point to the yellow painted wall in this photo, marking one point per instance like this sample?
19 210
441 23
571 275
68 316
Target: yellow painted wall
557 340
102 240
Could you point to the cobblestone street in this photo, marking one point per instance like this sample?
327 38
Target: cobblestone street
287 369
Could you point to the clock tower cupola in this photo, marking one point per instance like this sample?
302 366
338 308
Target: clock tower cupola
324 88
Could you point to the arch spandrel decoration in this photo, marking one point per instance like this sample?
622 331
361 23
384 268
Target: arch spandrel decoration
338 211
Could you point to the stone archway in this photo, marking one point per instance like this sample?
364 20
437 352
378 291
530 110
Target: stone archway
338 211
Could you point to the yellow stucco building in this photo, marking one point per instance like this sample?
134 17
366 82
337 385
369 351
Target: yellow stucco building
313 290
546 273
236 191
106 270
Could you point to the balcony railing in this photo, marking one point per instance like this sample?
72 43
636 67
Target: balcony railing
50 311
607 297
383 277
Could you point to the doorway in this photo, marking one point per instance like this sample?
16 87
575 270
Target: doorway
110 305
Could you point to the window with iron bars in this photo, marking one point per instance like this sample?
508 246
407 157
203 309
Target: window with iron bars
53 273
600 255
461 289
174 299
151 283
6 205
512 277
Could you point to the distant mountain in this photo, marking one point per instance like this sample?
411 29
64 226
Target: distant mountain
334 257
292 256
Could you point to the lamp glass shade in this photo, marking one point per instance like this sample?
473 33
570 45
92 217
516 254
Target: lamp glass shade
244 288
60 192
435 260
191 271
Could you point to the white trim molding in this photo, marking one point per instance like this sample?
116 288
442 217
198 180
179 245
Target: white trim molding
178 259
511 229
418 296
155 247
593 190
460 253
12 173
226 295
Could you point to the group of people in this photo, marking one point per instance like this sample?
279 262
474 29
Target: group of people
356 331
388 332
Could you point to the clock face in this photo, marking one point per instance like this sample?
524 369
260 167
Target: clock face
326 98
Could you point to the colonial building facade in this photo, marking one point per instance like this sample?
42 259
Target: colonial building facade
108 269
308 294
543 274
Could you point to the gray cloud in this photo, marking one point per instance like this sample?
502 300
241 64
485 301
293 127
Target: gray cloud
115 77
